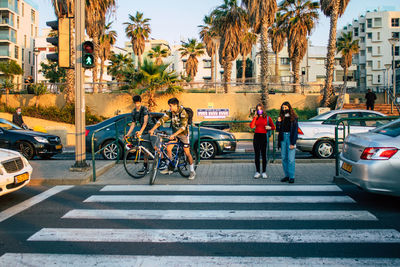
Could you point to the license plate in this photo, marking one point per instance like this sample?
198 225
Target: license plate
21 178
347 167
58 146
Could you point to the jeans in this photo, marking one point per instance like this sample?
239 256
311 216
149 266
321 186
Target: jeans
288 156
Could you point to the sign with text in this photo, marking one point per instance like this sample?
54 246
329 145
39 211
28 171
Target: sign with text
213 113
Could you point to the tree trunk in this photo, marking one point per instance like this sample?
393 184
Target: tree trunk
244 70
139 61
96 57
346 73
7 92
213 69
70 87
264 66
37 101
296 76
276 80
227 75
331 55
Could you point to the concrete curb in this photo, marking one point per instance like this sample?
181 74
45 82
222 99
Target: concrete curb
84 178
277 161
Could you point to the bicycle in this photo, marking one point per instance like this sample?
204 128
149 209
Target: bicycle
136 167
179 160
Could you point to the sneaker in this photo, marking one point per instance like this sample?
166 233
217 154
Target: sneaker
142 171
166 171
264 175
284 180
257 175
192 176
163 165
291 180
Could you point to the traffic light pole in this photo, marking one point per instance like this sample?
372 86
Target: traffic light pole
80 145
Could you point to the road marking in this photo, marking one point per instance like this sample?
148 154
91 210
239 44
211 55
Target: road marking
231 188
220 214
221 199
218 236
42 260
4 215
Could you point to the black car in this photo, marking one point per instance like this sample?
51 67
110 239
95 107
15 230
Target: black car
208 148
28 143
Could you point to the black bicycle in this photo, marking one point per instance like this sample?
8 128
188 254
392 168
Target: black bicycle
136 156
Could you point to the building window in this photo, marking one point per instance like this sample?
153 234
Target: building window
369 64
362 53
369 23
16 52
33 16
369 49
362 27
396 34
24 40
395 22
285 61
377 22
379 78
378 36
23 66
32 30
22 54
31 70
379 64
369 35
207 64
362 40
184 64
29 57
23 9
17 22
36 32
396 51
379 50
355 32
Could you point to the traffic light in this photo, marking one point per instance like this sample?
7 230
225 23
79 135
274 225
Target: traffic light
62 42
87 55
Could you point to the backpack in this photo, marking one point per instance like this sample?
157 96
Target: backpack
189 111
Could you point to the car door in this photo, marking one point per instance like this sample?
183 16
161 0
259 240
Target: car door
4 138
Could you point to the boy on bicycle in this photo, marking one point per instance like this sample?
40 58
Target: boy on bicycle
141 116
180 128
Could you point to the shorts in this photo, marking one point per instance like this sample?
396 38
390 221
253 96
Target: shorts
154 141
184 139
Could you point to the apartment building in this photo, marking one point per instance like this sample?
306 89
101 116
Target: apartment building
19 20
374 62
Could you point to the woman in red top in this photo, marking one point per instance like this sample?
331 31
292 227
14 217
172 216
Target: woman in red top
263 123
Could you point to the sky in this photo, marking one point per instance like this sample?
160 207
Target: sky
177 20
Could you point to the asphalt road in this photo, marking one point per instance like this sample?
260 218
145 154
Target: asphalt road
128 226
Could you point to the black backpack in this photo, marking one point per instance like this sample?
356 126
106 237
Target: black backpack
189 111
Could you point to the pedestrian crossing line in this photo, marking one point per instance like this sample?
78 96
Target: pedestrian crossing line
220 199
218 235
219 188
56 260
306 215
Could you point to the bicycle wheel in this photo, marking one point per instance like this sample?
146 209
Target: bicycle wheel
134 163
154 169
183 163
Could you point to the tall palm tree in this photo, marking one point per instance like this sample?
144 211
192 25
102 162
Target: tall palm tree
348 47
107 40
192 49
96 12
277 34
158 54
300 16
333 9
138 31
119 63
207 33
230 20
61 9
261 16
248 40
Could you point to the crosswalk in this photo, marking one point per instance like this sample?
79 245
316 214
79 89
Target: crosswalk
212 225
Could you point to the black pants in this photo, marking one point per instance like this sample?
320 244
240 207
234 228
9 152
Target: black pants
370 106
260 146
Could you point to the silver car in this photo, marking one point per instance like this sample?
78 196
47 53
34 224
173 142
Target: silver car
372 160
317 135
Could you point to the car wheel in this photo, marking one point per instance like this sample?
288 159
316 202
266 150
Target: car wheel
26 149
208 150
324 149
111 150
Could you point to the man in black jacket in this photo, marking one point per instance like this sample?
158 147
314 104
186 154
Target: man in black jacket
17 118
370 97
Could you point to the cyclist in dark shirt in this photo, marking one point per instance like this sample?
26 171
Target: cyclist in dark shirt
17 119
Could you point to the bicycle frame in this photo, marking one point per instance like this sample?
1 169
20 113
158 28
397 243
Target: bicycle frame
163 152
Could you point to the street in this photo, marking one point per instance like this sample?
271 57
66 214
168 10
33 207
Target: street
199 225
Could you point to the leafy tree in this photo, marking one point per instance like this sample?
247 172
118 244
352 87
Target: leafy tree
9 69
52 72
39 89
120 65
348 47
192 49
158 54
248 69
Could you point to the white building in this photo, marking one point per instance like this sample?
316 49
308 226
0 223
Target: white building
373 30
19 20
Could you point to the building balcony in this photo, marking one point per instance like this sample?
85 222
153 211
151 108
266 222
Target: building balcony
9 4
6 18
4 51
7 35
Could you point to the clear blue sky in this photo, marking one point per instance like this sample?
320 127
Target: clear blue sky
174 20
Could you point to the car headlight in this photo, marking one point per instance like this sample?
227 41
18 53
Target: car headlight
41 139
224 136
25 161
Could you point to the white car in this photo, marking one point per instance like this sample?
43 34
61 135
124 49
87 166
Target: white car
15 171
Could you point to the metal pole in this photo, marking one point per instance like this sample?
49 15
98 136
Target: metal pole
394 80
80 148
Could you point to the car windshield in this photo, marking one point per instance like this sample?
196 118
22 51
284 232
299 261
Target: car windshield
391 129
7 125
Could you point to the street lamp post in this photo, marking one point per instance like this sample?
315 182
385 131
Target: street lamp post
387 81
393 42
36 52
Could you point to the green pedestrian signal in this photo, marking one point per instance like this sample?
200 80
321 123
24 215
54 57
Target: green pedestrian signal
87 55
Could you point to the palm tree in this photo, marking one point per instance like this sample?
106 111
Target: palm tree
300 16
119 63
248 40
138 31
261 16
107 40
192 49
333 9
229 20
277 34
61 9
207 34
96 12
348 47
158 54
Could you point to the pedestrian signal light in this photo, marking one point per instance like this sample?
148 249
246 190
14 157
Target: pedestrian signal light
87 55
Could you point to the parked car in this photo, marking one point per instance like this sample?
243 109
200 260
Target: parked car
28 143
317 135
15 171
372 160
104 138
